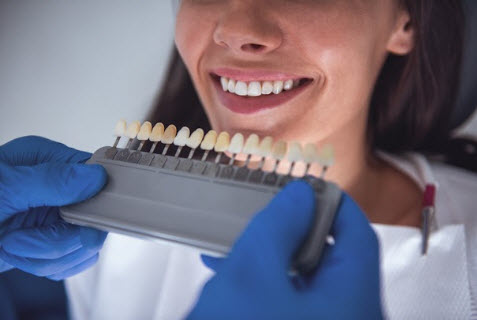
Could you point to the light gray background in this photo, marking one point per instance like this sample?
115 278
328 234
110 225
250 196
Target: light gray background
70 69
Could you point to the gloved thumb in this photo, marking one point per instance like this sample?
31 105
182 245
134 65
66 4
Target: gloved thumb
276 232
47 184
213 263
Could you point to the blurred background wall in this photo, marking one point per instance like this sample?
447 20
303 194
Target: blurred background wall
70 69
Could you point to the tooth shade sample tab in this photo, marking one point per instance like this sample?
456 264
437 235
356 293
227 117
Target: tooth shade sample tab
133 129
145 131
157 132
279 150
195 139
182 136
209 141
223 142
265 148
295 152
169 134
236 144
120 128
251 145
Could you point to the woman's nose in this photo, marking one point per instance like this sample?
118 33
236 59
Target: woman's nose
246 32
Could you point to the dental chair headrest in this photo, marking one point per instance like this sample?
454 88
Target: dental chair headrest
467 100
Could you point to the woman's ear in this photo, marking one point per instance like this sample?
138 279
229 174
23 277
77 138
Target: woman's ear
401 41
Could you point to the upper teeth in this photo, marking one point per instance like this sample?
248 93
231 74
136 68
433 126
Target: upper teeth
257 88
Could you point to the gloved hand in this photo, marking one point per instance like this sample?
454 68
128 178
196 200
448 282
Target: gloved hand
36 176
253 281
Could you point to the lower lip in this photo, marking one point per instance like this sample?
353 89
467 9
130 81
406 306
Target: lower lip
248 105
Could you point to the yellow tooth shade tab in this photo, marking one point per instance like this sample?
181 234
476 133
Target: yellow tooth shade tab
157 132
182 136
236 144
327 156
223 142
265 147
252 144
133 129
195 139
209 141
295 152
120 128
279 150
145 131
310 153
169 134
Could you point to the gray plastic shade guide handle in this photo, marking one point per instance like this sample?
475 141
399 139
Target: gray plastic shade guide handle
195 203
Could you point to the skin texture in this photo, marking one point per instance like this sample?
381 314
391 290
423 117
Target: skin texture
341 45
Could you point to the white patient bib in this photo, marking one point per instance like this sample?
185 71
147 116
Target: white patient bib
435 286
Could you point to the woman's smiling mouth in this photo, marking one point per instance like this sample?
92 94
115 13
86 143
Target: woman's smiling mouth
250 92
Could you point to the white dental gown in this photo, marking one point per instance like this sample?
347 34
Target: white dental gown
138 279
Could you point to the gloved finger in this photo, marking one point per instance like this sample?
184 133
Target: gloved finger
48 184
51 241
276 232
75 270
355 253
46 267
352 230
33 150
213 263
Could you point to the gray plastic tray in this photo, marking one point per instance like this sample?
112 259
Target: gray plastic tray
201 204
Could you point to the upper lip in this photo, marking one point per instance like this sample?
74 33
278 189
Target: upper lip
248 75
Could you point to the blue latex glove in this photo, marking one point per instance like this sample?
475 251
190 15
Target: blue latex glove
253 281
36 177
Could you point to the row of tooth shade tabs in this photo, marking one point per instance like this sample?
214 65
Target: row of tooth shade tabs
220 143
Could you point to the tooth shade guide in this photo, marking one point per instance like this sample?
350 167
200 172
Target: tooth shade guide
119 131
168 138
144 134
156 135
326 159
295 154
310 156
131 132
181 139
236 146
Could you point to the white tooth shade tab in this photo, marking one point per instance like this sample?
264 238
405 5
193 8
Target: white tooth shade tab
295 152
145 131
277 87
169 134
195 139
279 150
265 148
182 136
310 153
223 142
241 88
251 144
157 132
209 141
120 128
236 144
133 129
327 156
254 89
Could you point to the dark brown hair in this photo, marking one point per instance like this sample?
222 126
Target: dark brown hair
413 98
